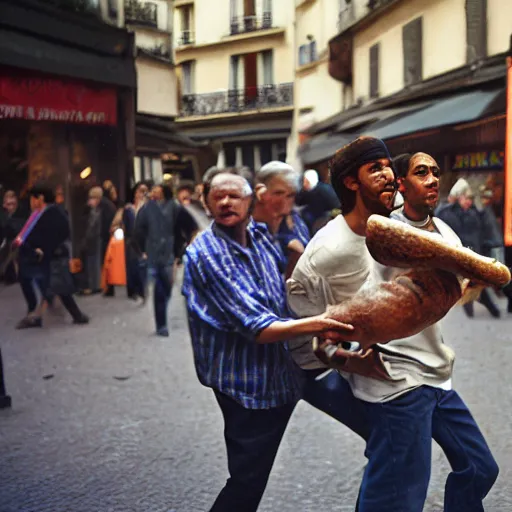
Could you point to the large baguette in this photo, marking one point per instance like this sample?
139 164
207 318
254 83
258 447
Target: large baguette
396 244
400 308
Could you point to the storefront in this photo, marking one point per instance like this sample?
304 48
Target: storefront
67 85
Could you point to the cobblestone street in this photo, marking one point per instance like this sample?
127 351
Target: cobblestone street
107 418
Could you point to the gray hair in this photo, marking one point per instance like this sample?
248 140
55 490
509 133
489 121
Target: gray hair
460 188
281 169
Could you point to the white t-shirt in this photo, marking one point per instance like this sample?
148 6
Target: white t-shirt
334 267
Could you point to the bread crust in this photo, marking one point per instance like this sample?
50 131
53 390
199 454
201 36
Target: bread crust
396 244
399 308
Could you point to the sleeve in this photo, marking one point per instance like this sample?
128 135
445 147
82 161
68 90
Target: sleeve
224 302
305 290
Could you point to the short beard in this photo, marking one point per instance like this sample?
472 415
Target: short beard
375 206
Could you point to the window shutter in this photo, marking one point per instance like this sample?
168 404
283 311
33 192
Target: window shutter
476 30
412 39
374 71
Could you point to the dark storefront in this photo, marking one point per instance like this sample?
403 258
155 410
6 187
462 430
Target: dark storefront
67 84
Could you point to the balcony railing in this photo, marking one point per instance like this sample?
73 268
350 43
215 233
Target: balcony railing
346 17
161 51
187 37
141 13
237 100
241 24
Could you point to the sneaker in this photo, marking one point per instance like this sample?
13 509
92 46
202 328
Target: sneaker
29 322
81 320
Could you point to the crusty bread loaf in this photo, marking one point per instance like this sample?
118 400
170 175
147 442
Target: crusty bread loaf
399 308
396 244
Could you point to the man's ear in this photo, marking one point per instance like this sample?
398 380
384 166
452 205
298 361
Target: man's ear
351 183
259 191
401 186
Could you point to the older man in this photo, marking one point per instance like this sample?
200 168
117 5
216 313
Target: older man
401 385
277 184
239 321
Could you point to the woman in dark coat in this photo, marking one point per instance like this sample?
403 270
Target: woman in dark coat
44 258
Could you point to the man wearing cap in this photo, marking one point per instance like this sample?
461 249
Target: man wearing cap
391 391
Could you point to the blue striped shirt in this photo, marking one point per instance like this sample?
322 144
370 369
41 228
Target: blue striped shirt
299 232
233 293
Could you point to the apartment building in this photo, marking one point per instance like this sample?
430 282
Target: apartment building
424 75
160 149
235 61
317 95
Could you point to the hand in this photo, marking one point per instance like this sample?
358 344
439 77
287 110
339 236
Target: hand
330 328
40 253
295 246
144 256
365 362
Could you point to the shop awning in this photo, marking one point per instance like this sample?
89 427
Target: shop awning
460 108
322 147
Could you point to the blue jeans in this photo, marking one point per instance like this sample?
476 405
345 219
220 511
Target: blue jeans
30 278
162 275
399 452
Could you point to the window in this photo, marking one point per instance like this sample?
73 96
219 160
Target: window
234 72
374 70
267 58
312 51
187 77
412 35
307 53
476 30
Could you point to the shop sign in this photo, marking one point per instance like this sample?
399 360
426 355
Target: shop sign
50 99
480 161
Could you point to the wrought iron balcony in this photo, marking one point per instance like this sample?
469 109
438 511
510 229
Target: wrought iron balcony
162 51
237 100
141 13
187 37
241 24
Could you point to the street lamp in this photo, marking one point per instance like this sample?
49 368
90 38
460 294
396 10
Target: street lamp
5 400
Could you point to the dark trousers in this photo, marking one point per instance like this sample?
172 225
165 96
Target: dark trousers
252 439
71 306
333 396
162 275
27 283
399 453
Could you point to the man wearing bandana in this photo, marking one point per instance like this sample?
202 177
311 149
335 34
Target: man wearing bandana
392 392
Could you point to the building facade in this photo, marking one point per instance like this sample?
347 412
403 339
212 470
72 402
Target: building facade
236 77
160 149
424 75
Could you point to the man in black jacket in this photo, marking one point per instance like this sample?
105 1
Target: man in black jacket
162 225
